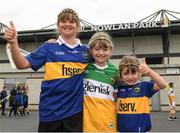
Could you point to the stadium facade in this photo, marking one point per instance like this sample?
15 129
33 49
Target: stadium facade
157 41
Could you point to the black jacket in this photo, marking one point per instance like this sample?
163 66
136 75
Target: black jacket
3 94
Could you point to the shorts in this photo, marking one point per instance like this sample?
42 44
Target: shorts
69 124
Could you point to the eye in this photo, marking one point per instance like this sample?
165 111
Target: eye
63 21
125 73
97 48
72 21
135 72
105 49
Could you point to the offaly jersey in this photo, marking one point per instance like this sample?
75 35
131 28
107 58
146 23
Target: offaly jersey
62 89
133 107
99 106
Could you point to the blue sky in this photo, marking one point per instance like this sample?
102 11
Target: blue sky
36 14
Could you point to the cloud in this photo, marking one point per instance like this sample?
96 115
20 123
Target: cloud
35 14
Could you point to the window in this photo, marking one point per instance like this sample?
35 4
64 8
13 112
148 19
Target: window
154 60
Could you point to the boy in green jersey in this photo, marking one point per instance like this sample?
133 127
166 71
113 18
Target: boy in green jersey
99 81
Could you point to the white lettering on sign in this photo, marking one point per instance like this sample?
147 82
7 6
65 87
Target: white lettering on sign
122 26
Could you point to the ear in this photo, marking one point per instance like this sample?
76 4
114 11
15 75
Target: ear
111 51
139 75
58 29
78 29
120 77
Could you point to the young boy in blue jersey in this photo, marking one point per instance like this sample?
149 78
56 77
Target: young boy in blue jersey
61 98
99 83
133 111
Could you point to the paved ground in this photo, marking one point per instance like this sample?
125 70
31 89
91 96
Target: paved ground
29 123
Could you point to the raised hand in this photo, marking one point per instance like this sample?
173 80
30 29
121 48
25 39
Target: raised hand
10 34
144 68
160 83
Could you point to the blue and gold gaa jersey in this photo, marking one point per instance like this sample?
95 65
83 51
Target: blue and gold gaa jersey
62 89
133 111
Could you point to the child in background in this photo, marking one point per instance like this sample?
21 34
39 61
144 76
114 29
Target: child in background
13 103
25 102
3 99
19 99
134 95
61 98
99 82
172 104
25 89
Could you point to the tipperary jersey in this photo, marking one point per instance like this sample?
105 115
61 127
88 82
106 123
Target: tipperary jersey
133 107
62 89
99 106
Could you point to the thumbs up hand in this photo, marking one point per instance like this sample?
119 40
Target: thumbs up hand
144 68
10 34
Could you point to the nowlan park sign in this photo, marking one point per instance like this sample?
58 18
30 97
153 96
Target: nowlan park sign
123 26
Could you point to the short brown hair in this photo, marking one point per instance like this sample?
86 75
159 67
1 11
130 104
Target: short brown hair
129 61
102 39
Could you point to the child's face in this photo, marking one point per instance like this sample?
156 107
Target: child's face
68 28
101 55
129 77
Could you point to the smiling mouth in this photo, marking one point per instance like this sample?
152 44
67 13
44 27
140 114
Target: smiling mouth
67 29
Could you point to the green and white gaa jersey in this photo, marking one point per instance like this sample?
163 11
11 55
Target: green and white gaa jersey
99 106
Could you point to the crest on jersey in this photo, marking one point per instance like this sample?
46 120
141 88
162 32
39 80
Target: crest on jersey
136 90
111 125
85 56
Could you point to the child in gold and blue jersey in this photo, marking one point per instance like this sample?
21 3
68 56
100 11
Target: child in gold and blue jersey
133 112
61 98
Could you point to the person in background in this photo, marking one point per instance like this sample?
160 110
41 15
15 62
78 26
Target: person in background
61 97
13 103
19 100
25 103
3 96
99 83
172 103
25 90
133 111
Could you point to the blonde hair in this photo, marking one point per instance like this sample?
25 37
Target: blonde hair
68 14
102 39
131 62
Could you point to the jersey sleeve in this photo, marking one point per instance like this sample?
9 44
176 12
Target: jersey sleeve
150 91
38 58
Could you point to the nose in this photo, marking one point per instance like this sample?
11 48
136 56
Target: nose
101 51
67 23
129 75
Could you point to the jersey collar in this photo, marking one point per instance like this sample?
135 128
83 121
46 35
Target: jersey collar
61 41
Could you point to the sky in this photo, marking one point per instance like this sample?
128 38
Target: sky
36 14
